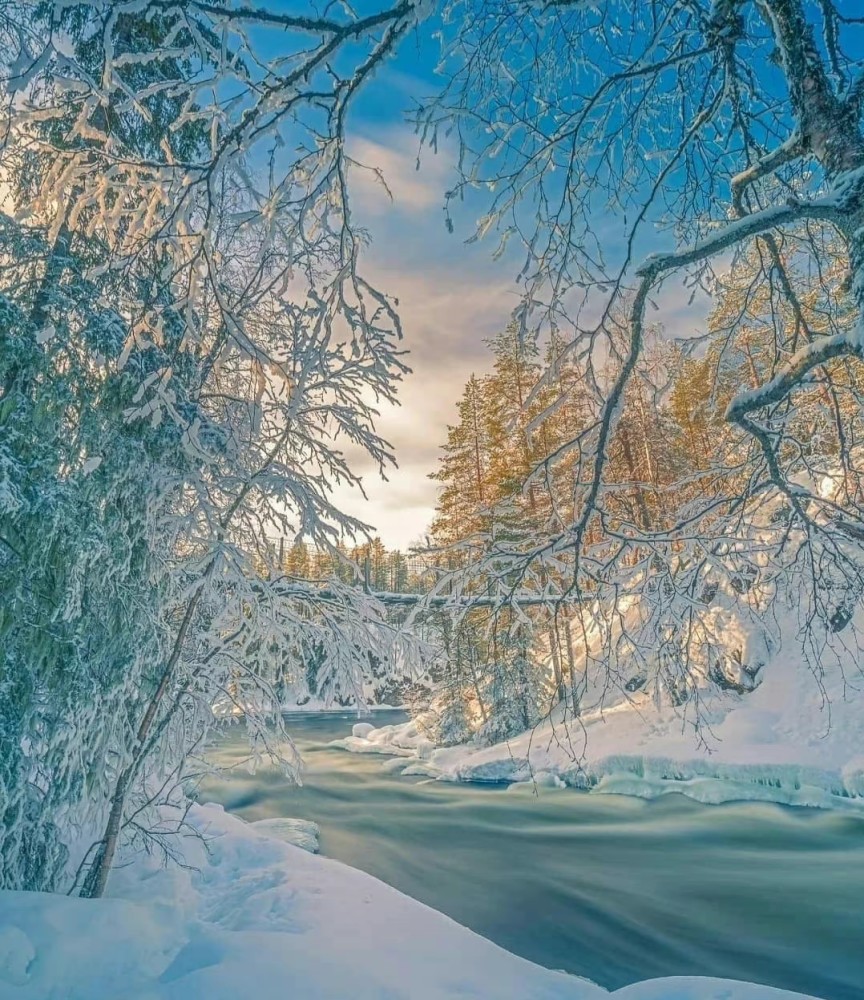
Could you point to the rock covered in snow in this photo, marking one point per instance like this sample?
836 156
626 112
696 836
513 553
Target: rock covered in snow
301 833
853 777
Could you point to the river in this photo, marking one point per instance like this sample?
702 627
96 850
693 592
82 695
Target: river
612 888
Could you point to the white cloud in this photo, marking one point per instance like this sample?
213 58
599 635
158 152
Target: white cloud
450 298
446 315
394 162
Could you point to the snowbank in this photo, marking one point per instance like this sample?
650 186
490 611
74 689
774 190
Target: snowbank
265 920
317 706
793 740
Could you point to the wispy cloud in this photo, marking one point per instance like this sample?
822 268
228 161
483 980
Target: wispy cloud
446 314
450 299
386 174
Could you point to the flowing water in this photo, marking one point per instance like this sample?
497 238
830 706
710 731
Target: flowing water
611 888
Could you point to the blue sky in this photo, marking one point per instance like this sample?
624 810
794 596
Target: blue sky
452 295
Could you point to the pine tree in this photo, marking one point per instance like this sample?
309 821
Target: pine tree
467 492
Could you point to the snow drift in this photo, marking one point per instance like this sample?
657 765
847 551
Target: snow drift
261 918
789 732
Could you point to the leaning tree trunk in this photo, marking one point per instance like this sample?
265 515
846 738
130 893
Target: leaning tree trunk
97 875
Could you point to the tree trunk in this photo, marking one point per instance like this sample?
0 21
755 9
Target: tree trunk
97 877
631 468
571 666
555 648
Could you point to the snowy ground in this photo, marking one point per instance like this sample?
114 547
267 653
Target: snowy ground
262 919
791 740
257 917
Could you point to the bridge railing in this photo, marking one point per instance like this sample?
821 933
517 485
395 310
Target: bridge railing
399 579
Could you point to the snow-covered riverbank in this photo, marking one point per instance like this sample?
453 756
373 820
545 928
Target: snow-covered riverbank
793 740
262 919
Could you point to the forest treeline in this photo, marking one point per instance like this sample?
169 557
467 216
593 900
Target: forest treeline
509 476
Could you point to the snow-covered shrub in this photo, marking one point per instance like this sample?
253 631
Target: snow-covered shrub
185 345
